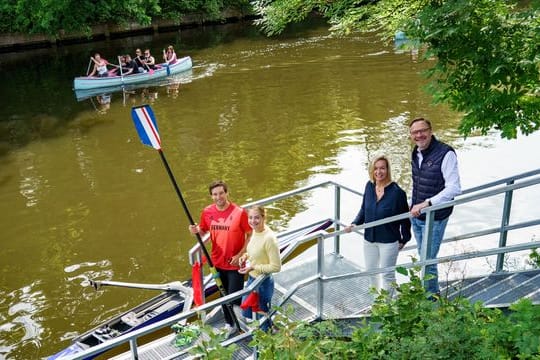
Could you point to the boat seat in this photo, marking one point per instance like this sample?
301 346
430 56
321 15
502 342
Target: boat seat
131 319
150 315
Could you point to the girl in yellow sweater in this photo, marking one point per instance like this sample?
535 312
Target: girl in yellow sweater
261 258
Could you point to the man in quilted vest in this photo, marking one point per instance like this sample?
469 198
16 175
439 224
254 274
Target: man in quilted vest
435 177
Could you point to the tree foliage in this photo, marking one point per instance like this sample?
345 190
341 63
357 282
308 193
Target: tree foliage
487 51
53 17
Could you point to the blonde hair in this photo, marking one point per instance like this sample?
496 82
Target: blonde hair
259 208
372 168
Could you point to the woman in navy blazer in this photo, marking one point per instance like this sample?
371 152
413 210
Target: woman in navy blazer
382 198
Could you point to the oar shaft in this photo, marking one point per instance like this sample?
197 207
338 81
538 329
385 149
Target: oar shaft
120 66
176 188
172 286
88 69
199 239
147 128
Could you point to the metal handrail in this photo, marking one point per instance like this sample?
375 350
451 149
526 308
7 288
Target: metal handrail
468 196
501 181
479 192
196 248
132 336
320 277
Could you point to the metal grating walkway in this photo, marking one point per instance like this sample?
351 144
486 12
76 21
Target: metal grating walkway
345 299
342 297
498 289
164 347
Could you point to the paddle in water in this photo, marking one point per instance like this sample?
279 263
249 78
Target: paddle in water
146 125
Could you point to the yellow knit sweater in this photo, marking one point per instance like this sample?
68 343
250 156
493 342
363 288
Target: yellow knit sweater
263 253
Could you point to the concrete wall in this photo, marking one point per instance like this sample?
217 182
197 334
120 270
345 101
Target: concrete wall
18 42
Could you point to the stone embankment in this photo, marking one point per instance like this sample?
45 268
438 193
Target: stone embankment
20 42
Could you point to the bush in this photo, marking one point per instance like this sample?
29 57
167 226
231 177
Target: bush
412 326
53 17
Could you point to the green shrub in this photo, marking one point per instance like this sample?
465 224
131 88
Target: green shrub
412 325
534 258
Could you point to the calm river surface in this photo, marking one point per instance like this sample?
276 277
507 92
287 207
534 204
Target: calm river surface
81 198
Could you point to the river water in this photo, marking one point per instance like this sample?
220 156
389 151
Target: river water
81 198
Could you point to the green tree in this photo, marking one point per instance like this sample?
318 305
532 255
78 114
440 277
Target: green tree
56 17
487 51
212 9
52 17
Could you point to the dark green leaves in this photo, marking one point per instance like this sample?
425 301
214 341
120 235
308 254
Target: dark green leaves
62 17
486 52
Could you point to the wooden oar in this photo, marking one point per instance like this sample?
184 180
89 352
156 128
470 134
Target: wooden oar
120 66
146 125
150 71
89 64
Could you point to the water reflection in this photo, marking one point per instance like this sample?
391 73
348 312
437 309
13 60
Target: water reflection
21 319
31 181
104 103
172 90
131 95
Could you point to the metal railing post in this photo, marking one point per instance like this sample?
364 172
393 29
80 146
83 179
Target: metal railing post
133 348
320 271
426 242
505 220
337 215
199 259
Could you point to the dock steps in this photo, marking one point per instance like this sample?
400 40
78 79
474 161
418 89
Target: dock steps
498 289
342 297
349 300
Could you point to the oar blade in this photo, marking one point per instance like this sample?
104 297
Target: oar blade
146 125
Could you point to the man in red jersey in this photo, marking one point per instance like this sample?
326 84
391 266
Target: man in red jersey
229 231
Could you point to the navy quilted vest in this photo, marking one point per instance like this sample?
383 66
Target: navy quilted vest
428 179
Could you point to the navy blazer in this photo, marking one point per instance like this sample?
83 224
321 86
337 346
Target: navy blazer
393 202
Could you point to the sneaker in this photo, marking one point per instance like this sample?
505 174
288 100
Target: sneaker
228 330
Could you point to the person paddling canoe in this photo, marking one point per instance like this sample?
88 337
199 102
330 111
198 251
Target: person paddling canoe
100 66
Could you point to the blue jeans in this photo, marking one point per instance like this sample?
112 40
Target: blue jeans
266 291
439 226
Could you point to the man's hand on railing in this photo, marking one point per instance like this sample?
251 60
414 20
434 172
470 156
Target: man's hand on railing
416 209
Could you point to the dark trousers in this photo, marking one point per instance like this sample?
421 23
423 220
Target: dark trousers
232 281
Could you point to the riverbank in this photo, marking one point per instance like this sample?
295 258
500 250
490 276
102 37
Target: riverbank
15 42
